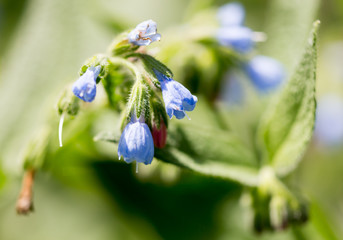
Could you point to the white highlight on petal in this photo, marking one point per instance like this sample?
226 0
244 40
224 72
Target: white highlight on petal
60 127
137 167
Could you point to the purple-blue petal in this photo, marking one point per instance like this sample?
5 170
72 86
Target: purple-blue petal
329 120
136 143
265 73
231 14
144 33
237 37
85 87
177 98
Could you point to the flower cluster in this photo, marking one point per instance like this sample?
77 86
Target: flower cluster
137 140
264 72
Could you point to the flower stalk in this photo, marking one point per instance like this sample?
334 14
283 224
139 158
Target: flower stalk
25 199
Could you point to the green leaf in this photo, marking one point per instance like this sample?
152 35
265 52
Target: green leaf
107 137
286 127
209 151
37 149
152 63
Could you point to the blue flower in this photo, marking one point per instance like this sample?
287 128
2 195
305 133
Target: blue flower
265 73
85 87
136 142
237 37
329 121
177 98
144 33
232 91
231 14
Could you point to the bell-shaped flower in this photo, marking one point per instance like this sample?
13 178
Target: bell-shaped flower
85 87
231 14
177 98
144 33
241 39
136 142
232 91
265 73
329 121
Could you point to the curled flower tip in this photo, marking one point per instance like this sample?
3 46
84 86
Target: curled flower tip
25 200
144 33
177 98
136 142
238 38
231 14
60 127
265 73
85 87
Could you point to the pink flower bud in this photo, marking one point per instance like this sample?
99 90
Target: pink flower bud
159 134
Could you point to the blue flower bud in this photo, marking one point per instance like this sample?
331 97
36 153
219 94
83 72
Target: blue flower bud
329 121
237 37
144 33
265 73
85 87
177 98
136 142
231 14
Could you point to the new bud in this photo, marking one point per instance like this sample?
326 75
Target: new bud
159 134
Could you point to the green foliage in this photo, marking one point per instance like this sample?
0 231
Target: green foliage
37 149
117 85
150 63
287 126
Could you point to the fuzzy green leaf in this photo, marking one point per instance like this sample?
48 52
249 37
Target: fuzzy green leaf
287 126
209 151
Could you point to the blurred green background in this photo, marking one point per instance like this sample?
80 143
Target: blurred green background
84 195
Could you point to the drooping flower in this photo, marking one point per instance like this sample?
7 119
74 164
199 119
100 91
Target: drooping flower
265 73
236 37
144 33
177 98
231 14
85 87
232 91
329 121
232 32
159 134
136 142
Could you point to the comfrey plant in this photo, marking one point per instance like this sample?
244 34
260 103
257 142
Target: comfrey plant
253 146
136 142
